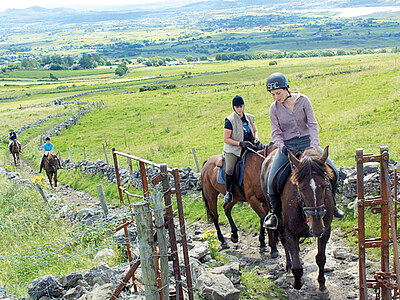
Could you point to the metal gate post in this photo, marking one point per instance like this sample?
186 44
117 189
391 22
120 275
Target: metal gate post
183 233
384 281
171 230
385 194
361 226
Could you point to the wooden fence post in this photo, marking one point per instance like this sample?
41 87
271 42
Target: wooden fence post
144 226
130 165
69 154
39 188
84 153
102 198
157 199
195 159
105 153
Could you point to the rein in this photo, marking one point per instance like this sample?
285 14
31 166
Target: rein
318 211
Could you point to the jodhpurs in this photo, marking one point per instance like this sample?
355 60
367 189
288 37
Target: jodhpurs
230 162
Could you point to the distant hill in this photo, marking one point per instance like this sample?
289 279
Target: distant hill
61 15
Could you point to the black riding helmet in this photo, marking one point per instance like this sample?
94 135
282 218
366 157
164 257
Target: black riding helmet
277 81
237 101
48 138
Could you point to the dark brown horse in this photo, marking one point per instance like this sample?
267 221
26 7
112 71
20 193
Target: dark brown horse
15 149
307 210
252 189
51 165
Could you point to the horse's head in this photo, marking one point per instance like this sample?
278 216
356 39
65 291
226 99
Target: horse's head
312 177
54 161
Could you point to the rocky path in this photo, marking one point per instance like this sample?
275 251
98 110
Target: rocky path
341 269
341 266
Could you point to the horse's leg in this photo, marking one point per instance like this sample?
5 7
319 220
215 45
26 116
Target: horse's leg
228 212
49 176
287 253
55 178
272 241
297 268
320 258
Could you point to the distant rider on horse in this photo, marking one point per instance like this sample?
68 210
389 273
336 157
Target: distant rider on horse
240 132
13 139
294 127
47 148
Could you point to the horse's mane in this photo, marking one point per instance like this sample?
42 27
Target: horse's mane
311 163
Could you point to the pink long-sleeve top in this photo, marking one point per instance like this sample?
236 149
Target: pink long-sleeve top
286 124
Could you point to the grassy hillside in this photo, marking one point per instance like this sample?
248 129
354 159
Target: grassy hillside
354 110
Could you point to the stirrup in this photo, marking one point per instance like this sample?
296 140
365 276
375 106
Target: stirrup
228 197
268 218
338 213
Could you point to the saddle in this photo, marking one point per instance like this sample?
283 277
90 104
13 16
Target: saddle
283 174
280 178
239 170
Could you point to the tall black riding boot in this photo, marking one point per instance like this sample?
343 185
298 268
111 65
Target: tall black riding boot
41 165
271 221
229 186
337 212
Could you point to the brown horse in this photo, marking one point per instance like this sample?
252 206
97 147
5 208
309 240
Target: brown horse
252 189
15 151
307 210
51 165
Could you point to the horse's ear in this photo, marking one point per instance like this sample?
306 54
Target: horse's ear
293 159
324 155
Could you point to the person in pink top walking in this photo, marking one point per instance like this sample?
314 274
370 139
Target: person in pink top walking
293 127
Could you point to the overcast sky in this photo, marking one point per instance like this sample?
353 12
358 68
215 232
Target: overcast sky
76 4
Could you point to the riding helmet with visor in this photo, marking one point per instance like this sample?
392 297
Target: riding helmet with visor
237 101
277 81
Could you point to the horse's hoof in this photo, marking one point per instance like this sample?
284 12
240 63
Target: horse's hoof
274 253
324 291
298 285
234 239
262 249
224 246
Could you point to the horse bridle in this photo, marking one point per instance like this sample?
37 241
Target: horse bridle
312 210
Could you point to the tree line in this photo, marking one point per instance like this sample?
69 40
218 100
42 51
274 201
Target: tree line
58 62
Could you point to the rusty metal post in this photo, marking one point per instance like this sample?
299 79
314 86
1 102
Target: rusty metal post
171 230
361 226
385 193
121 198
395 183
183 233
145 184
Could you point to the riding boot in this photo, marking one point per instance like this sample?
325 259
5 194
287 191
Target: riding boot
337 212
271 221
229 186
41 165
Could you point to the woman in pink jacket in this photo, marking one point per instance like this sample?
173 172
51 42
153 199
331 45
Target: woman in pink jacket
293 127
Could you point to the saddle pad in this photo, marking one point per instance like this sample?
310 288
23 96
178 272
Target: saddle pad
281 177
239 172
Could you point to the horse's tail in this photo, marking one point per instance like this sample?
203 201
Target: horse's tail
209 218
205 199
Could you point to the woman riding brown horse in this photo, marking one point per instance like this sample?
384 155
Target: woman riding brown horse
51 165
307 209
253 195
15 151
